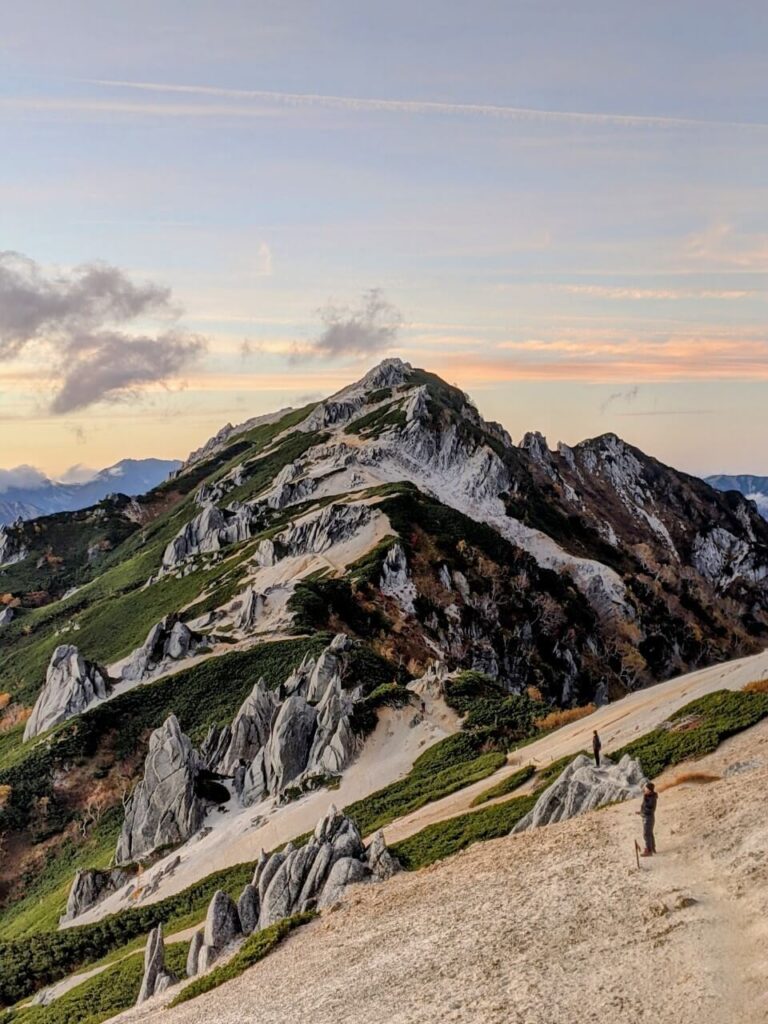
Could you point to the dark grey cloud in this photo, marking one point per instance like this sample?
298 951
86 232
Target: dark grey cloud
114 367
368 329
78 317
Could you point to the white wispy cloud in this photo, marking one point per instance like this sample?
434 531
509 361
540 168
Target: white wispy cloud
401 106
673 294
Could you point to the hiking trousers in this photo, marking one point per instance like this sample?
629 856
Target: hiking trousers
649 820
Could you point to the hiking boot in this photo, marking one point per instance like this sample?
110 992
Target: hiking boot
647 853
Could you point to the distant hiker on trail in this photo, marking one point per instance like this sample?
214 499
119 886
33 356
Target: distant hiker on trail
648 812
597 746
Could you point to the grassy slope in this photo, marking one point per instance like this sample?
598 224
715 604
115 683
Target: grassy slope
112 612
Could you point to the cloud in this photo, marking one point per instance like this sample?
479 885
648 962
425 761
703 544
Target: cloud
22 478
78 474
371 327
113 367
76 317
672 294
358 103
264 261
627 396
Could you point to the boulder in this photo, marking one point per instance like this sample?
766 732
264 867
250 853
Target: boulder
164 808
381 862
72 684
248 909
156 979
169 640
346 871
193 956
582 787
316 874
89 887
6 616
222 924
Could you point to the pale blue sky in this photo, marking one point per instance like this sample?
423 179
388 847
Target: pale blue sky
546 261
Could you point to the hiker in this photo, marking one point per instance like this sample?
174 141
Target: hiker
423 708
648 812
597 746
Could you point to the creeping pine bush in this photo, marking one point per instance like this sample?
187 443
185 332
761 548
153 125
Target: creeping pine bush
697 729
508 785
445 838
253 949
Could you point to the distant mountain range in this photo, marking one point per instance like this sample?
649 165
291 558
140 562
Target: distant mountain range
44 497
753 487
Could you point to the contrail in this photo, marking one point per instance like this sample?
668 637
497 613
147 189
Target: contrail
356 103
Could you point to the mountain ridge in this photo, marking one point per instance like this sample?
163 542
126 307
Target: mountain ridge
47 496
308 569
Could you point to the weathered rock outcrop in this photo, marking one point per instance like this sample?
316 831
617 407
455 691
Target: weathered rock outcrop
210 531
582 787
71 685
168 641
89 887
222 926
274 744
292 881
156 978
12 549
6 616
164 807
396 581
250 729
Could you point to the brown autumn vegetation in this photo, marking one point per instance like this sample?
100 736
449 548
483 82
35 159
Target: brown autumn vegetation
556 719
758 686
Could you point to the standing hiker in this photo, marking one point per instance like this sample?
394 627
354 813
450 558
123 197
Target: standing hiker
648 812
597 746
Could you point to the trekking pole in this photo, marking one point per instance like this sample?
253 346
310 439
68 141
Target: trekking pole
637 854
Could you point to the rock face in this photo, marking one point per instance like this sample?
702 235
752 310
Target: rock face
71 685
583 787
90 887
396 581
6 617
250 729
308 734
169 640
210 531
222 926
156 979
163 808
12 548
292 881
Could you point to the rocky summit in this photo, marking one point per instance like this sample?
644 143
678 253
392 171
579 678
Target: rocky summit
367 602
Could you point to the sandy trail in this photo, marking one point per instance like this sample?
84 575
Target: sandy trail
238 835
555 926
617 723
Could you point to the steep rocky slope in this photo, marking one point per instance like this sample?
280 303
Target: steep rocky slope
556 925
249 619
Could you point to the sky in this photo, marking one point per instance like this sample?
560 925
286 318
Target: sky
210 209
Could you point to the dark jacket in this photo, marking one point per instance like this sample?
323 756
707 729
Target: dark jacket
648 806
596 744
